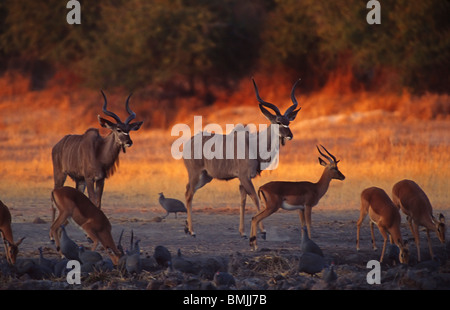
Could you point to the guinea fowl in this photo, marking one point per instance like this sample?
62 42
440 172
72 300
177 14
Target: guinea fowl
392 253
171 205
67 246
133 263
183 265
329 275
224 280
309 246
87 256
163 257
311 263
45 262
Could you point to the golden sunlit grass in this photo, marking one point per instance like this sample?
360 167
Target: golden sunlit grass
379 141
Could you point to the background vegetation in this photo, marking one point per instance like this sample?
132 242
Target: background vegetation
188 47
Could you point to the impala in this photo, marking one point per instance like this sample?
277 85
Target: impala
202 170
90 158
73 204
301 196
383 213
11 247
413 201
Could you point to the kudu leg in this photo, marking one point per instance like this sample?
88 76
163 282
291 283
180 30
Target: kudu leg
247 186
189 196
81 185
99 185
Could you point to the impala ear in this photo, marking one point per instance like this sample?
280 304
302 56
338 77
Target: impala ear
322 162
441 218
20 241
105 123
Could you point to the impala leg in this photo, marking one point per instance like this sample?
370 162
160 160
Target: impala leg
362 215
258 218
55 228
308 211
372 235
415 230
301 216
429 244
385 237
5 244
92 235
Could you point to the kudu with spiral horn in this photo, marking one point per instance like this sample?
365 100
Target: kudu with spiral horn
90 158
202 170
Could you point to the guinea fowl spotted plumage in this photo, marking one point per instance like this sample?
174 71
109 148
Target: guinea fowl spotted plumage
133 262
163 257
171 205
309 246
224 280
45 262
67 246
183 265
392 253
329 275
311 263
87 256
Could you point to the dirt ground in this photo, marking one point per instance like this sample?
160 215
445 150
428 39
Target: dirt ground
219 247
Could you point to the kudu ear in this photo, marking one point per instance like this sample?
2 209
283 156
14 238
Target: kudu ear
271 117
135 126
291 116
105 123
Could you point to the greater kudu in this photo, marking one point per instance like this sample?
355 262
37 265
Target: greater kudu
90 158
202 170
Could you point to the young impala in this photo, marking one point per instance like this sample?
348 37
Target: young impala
413 201
386 216
72 203
11 247
301 196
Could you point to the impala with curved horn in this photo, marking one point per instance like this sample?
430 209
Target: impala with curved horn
90 158
202 170
301 196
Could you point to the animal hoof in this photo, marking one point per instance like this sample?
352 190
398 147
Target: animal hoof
244 236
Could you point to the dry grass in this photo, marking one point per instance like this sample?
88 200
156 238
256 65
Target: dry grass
379 140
